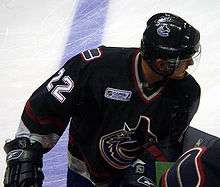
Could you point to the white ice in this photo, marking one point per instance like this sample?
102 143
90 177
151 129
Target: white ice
33 36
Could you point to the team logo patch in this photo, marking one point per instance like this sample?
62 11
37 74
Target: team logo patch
120 148
117 94
163 30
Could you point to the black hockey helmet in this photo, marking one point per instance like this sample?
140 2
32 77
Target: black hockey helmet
171 38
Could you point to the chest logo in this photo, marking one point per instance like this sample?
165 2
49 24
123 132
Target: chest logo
121 147
117 94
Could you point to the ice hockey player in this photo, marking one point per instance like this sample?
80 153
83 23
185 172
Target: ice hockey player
120 102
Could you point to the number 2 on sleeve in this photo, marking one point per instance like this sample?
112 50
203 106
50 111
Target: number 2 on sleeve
58 90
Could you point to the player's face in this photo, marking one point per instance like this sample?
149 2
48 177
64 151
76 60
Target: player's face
174 68
180 71
183 64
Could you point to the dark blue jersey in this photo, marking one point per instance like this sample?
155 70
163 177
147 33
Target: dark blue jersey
103 93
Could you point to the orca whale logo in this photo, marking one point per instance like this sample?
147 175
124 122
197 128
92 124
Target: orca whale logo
163 30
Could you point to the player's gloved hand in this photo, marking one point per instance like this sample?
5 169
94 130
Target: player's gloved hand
24 163
139 174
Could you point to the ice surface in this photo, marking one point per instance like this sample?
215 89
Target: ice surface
33 38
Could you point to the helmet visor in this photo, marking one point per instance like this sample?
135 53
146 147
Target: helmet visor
192 61
196 60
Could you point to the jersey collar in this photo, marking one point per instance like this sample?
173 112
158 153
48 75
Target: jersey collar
146 96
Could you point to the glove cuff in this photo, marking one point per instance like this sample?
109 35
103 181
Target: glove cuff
22 150
23 143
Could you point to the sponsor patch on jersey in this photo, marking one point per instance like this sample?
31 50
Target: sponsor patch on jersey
117 94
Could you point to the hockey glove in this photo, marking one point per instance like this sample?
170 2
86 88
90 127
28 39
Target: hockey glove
139 174
24 163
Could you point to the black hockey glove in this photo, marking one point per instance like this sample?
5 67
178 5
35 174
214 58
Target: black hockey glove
24 163
139 174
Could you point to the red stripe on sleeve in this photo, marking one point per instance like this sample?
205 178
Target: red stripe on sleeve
43 120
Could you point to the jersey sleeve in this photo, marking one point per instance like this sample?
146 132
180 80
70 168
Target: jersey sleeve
49 109
187 108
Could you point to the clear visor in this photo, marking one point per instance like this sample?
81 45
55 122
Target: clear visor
192 62
196 60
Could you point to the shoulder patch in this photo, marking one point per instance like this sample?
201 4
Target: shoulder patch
91 54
